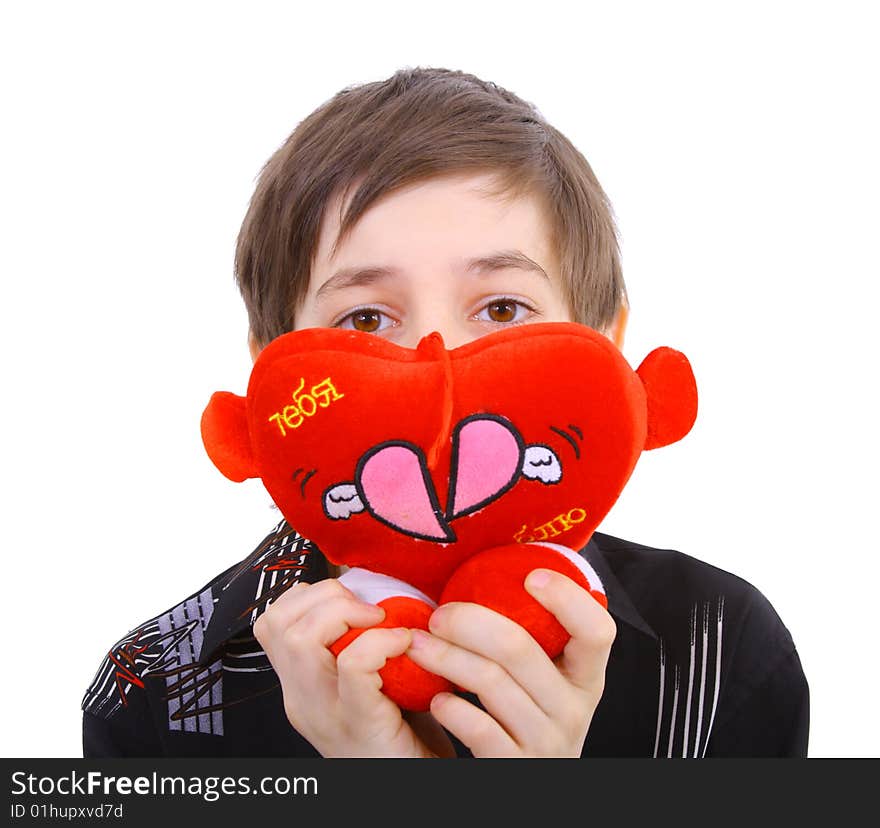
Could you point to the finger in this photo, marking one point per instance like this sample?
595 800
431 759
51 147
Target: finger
502 641
324 623
359 683
296 601
504 699
473 727
429 730
592 629
300 654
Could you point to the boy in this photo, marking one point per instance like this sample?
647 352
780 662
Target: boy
436 201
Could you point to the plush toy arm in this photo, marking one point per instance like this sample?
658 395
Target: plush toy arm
226 436
671 392
409 686
495 577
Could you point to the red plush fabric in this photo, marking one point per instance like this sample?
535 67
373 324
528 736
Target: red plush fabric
225 435
409 685
672 396
410 433
409 462
495 577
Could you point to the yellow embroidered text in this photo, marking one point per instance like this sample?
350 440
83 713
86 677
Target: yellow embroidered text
305 405
561 523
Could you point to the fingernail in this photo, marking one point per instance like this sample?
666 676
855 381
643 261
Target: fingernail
437 618
420 640
440 698
539 578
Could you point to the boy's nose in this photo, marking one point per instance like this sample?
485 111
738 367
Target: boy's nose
451 337
454 333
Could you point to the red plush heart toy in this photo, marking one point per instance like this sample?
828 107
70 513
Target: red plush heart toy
449 475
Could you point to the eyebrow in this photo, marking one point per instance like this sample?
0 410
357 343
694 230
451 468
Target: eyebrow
357 276
504 260
354 277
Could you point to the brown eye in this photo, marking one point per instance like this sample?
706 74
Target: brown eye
367 321
502 311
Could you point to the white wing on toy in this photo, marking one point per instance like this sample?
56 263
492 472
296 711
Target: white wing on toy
541 463
342 501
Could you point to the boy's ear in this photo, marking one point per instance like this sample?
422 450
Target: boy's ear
671 392
617 331
226 436
254 346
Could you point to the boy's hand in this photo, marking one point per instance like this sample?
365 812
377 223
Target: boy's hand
534 707
336 703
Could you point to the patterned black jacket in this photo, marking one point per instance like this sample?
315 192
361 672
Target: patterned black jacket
701 666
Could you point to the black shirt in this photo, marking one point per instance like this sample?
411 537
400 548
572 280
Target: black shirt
701 665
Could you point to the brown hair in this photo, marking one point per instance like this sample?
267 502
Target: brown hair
420 123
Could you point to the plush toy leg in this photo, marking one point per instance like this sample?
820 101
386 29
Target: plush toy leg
494 578
409 686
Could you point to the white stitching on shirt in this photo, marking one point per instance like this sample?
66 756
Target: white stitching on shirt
671 723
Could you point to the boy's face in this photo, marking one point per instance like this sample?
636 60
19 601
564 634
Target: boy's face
444 255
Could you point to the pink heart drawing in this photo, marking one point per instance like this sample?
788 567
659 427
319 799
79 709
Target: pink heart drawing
394 483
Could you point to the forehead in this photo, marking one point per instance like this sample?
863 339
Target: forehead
446 217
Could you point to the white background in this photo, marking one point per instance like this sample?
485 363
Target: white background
737 144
